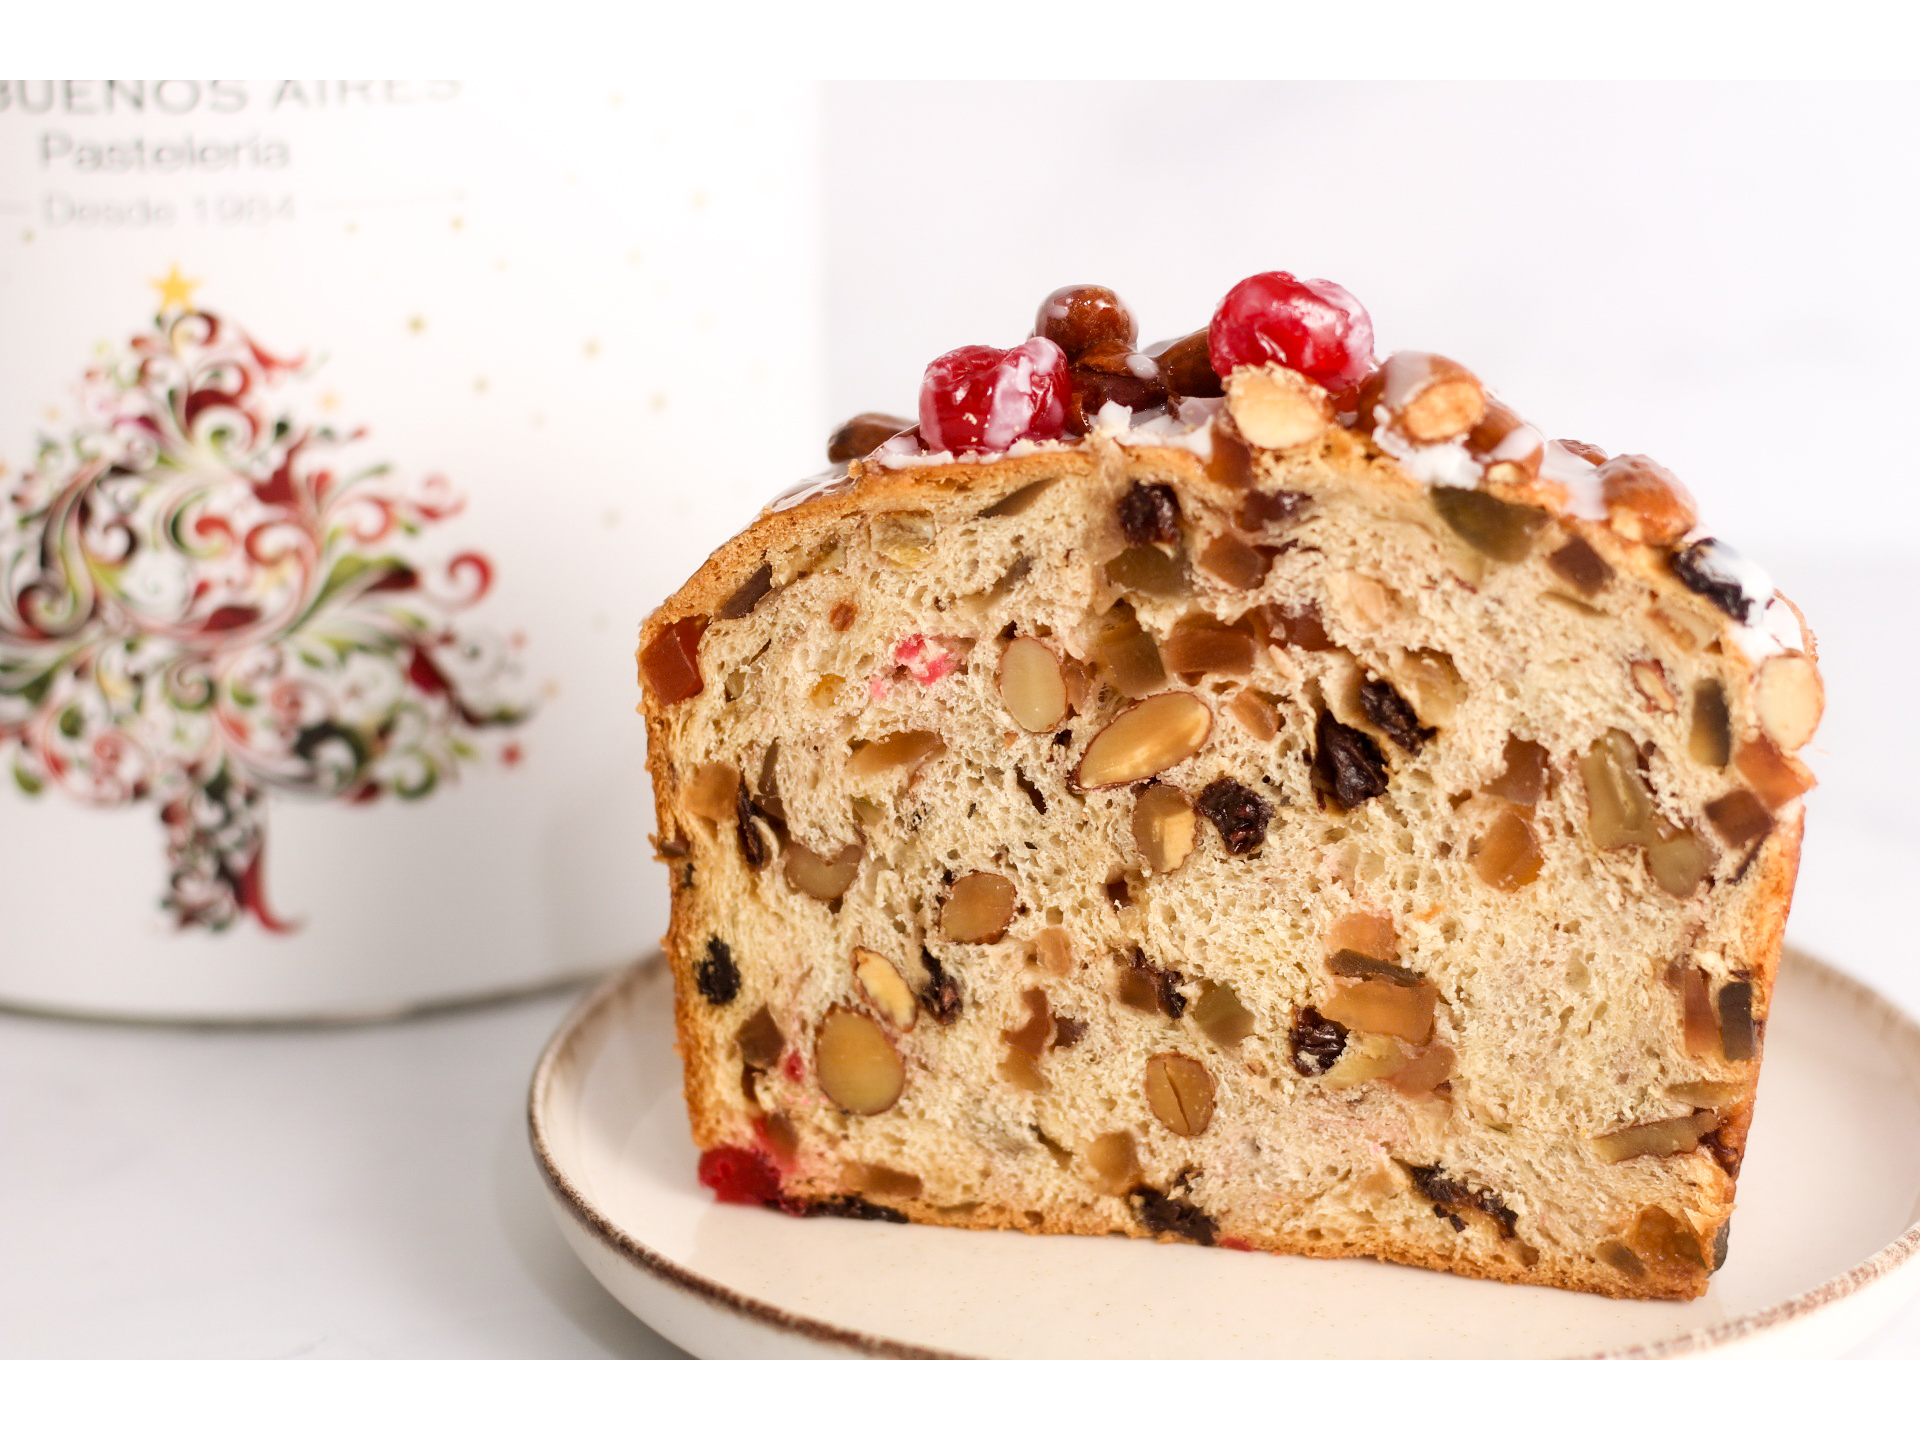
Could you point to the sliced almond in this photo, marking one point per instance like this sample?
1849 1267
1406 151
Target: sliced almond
1789 697
858 1067
1651 681
1031 685
1276 408
978 909
906 749
1146 738
885 988
1179 1092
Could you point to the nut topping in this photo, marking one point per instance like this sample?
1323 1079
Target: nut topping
1276 408
978 909
862 435
1788 697
823 879
1509 448
1163 827
859 1069
1031 685
1146 738
670 665
1179 1092
906 749
885 988
1427 398
1645 501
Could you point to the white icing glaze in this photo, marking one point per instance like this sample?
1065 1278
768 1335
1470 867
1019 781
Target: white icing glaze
1446 463
1578 476
1142 367
808 488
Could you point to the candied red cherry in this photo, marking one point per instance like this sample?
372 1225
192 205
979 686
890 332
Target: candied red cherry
980 398
1079 317
1312 326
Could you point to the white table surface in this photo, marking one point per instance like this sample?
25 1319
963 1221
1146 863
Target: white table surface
369 1192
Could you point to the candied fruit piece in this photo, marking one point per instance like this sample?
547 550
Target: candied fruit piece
1664 1242
978 398
1301 629
1149 570
1699 1024
1369 1057
1496 528
1312 326
1147 986
1232 561
715 975
670 664
1364 934
1524 779
1677 859
710 794
1774 777
1053 949
1165 1214
752 591
1022 1071
1144 739
1239 814
904 537
1220 1015
1115 1159
1163 827
1710 741
1507 854
978 909
1426 1070
1659 1138
1020 501
1738 1040
1580 565
1270 509
1619 806
760 1040
859 1069
1179 1091
1202 645
1032 1035
739 1176
1257 714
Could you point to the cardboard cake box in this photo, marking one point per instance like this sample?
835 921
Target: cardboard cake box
347 429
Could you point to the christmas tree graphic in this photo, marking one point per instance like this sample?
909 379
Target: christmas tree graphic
204 601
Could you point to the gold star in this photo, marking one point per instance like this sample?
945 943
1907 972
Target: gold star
176 291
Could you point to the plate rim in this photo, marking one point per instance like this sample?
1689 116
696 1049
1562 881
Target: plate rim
1882 1263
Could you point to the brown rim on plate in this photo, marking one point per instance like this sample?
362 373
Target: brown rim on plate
1883 1262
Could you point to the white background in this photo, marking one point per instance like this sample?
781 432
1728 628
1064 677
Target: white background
1718 275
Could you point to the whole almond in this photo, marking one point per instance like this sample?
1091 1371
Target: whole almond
1428 398
1789 698
883 985
1146 738
1645 501
1276 408
857 1064
1032 686
1179 1092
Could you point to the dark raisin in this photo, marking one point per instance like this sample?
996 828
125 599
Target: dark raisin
1169 1215
1147 986
940 996
862 435
1736 1019
1150 515
1347 766
1391 714
742 601
1580 565
755 848
1237 813
717 977
1450 1196
1317 1041
673 848
851 1207
1706 567
1264 508
1067 1032
1720 1243
1030 790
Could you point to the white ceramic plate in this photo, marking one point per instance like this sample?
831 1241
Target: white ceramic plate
1823 1241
